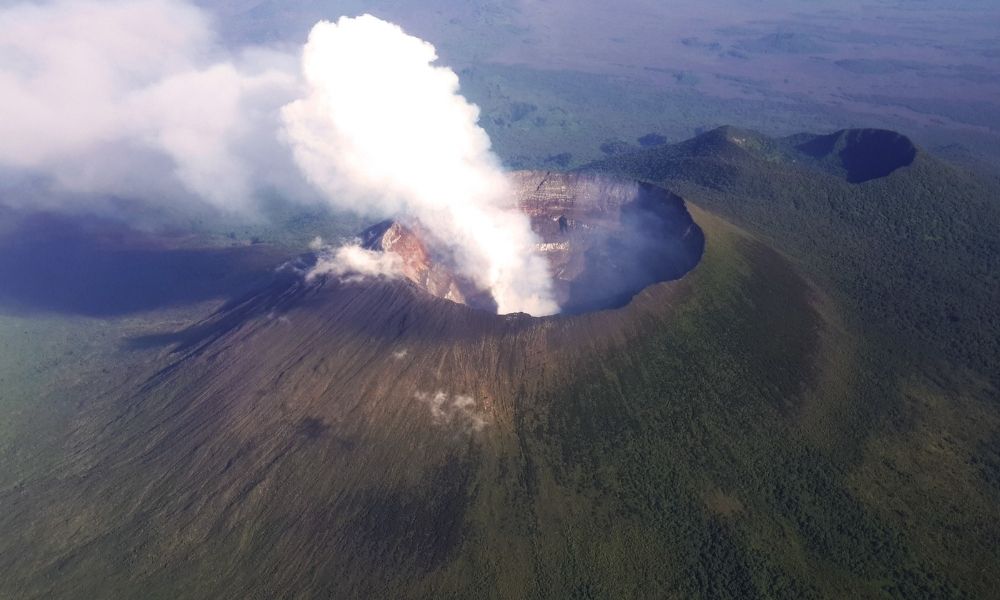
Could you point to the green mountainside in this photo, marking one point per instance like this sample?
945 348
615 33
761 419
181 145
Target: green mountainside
915 253
809 413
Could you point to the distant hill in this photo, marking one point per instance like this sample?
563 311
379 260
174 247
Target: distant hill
911 242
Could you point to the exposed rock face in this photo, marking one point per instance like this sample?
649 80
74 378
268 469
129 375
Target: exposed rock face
422 267
605 238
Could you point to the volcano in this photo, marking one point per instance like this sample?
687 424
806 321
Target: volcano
605 238
731 405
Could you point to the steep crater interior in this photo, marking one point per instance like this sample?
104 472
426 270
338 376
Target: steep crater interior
861 155
605 238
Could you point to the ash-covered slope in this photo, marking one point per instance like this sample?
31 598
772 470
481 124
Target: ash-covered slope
369 439
345 424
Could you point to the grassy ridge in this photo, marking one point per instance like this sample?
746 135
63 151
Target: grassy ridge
915 255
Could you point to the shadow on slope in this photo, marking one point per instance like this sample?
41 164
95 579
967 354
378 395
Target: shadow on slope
96 267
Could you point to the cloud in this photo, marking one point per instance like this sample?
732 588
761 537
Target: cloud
111 101
382 131
457 408
353 263
135 99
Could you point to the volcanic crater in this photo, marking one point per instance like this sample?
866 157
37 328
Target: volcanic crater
605 238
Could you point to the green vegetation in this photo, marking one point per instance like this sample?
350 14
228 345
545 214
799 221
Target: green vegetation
916 254
709 458
809 413
914 260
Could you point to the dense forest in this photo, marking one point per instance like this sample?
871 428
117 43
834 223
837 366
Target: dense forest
915 253
810 412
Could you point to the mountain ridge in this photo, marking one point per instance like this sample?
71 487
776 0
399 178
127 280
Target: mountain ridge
926 222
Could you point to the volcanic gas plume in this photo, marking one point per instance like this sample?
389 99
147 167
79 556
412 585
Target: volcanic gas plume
134 100
384 132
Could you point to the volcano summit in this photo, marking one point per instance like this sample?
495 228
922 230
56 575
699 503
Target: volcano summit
715 436
605 240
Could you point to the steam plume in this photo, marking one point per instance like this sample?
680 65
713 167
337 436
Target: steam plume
384 132
136 99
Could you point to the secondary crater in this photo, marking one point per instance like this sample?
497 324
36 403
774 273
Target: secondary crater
861 155
605 238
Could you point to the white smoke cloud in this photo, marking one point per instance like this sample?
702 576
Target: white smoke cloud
137 100
384 132
133 98
353 263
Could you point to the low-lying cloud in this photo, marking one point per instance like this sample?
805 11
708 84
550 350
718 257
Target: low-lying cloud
135 99
138 100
